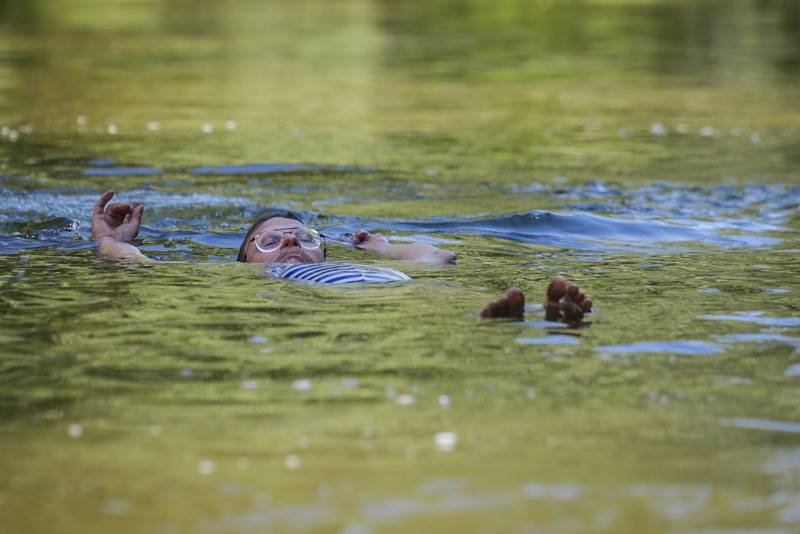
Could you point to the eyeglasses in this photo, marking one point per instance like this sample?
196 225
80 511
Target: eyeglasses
270 241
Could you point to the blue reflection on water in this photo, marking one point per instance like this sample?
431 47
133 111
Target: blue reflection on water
120 171
756 317
549 340
689 347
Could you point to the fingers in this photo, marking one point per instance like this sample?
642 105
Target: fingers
136 214
100 205
360 238
119 211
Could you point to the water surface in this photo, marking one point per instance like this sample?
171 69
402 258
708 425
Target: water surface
646 150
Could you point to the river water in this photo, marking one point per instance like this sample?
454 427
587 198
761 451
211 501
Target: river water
647 150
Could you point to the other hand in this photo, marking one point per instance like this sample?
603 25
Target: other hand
367 241
119 220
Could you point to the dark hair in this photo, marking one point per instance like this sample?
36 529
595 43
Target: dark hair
269 214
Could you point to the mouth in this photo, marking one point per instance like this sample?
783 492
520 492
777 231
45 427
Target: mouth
293 256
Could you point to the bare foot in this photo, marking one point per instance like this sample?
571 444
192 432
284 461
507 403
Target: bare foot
511 305
565 302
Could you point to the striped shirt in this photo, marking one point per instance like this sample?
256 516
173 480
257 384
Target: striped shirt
336 272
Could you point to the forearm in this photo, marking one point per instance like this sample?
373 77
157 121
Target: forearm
418 252
112 249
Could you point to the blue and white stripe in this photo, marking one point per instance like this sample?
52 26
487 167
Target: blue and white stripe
337 272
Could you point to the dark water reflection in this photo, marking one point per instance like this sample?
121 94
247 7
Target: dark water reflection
647 150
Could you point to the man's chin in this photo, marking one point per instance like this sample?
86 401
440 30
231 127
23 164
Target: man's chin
293 258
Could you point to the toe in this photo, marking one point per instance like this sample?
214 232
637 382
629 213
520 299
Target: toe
573 293
557 288
572 313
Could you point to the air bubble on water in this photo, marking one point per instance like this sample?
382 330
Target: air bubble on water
186 372
623 133
26 129
81 120
260 500
356 528
324 490
708 131
155 430
257 339
367 432
75 430
682 128
302 385
12 135
115 506
531 393
390 392
351 383
153 126
756 138
249 385
112 129
737 131
404 400
292 461
206 467
207 128
444 401
658 129
231 125
446 441
243 463
303 442
4 131
592 127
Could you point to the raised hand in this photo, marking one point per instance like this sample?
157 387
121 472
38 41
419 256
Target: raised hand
119 220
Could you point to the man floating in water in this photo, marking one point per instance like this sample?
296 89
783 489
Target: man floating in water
292 250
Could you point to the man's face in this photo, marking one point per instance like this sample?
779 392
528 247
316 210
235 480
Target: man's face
289 250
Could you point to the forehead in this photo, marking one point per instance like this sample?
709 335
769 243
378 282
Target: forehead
279 222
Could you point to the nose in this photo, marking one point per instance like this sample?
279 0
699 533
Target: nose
289 240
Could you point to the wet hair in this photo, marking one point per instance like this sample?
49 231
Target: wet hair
269 214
